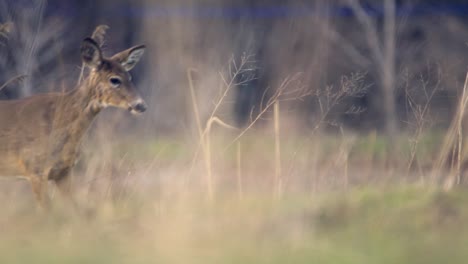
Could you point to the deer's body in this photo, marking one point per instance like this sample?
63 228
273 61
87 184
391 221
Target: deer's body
40 135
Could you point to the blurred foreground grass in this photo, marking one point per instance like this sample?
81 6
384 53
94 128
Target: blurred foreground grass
344 200
396 225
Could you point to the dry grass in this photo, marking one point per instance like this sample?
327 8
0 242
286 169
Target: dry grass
145 200
153 214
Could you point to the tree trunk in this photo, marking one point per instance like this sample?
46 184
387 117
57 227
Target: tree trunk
388 68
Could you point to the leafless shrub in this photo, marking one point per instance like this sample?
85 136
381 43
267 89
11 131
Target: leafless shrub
419 102
331 96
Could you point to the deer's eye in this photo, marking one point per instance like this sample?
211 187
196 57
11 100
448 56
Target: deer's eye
115 81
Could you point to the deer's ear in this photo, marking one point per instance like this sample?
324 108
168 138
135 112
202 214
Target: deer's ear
130 57
91 53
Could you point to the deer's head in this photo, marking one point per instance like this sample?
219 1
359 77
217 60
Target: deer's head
111 78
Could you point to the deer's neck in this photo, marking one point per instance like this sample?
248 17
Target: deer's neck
84 99
74 115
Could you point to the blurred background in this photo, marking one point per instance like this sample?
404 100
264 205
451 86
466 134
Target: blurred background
420 49
262 108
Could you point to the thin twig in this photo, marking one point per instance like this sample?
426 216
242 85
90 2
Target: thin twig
18 78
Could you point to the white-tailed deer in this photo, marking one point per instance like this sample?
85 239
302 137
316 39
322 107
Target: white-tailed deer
40 135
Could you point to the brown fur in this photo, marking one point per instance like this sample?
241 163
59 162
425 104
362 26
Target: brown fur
40 135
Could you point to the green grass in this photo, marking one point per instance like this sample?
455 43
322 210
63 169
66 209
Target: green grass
403 226
373 147
400 225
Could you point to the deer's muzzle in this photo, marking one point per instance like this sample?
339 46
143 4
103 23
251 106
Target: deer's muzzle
138 107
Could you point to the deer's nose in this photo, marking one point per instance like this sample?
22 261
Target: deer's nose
140 107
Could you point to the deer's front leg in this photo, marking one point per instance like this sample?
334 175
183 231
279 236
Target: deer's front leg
65 188
39 188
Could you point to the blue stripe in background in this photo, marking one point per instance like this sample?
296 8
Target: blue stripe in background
285 11
268 12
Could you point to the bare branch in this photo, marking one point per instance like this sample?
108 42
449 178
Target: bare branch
370 29
15 79
348 48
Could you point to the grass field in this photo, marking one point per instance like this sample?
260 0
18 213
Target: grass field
147 203
399 225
